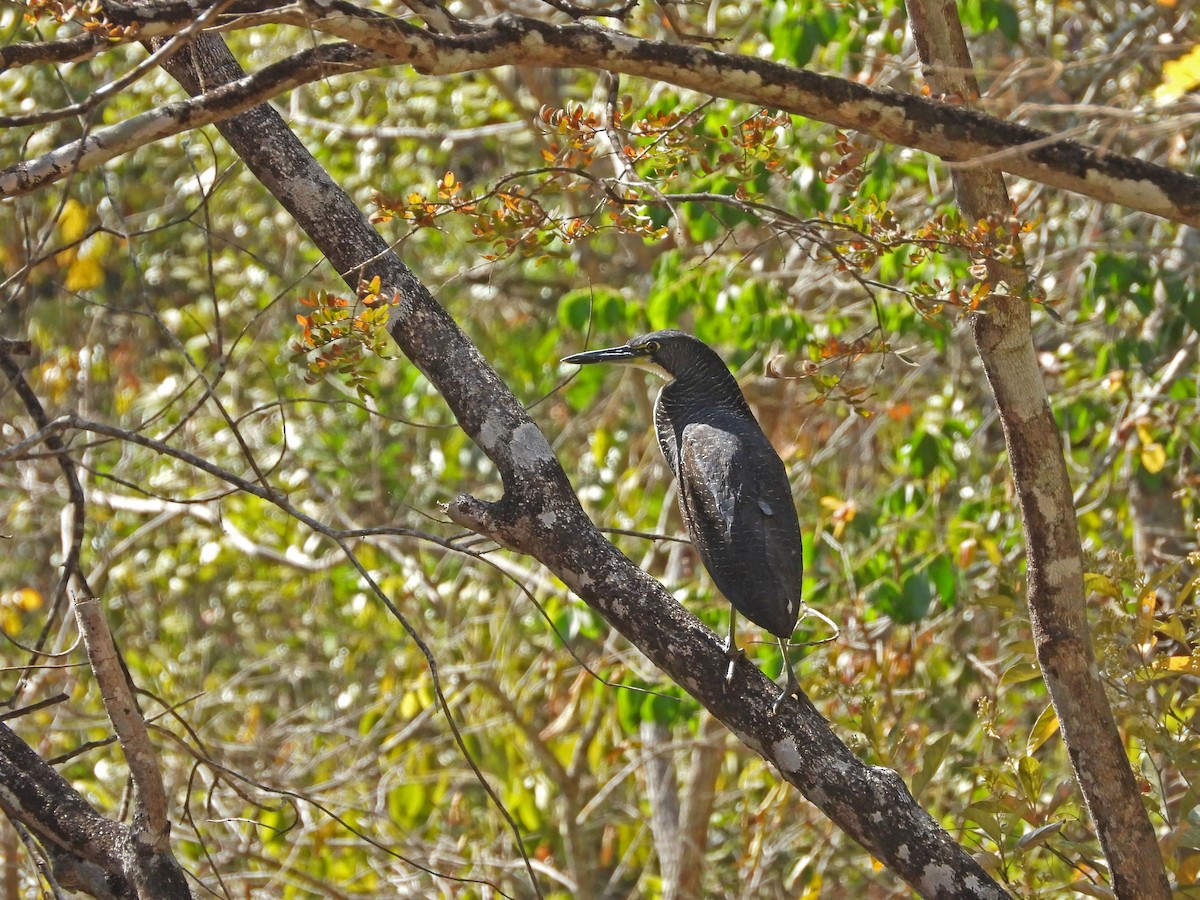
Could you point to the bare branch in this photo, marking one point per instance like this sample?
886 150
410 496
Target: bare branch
72 49
174 118
152 827
127 721
101 95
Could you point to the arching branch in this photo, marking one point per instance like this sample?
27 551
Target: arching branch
953 132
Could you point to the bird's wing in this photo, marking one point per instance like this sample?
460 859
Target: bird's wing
742 520
710 484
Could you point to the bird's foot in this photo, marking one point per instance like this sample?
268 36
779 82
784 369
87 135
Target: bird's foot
735 655
788 692
790 689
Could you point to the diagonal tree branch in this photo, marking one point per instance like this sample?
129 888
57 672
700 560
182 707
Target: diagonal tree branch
1004 338
540 515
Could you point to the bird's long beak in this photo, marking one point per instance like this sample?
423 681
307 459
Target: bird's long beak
621 354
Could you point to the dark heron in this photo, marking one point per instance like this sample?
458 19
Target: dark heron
733 489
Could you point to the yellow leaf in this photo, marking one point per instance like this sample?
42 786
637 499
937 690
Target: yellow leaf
1179 76
27 599
86 268
1145 435
1174 629
72 224
1147 604
1154 457
1185 664
830 503
410 705
84 275
1094 583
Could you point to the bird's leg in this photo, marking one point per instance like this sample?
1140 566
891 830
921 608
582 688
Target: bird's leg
792 688
732 652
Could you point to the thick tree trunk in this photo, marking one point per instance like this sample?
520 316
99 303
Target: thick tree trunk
1004 339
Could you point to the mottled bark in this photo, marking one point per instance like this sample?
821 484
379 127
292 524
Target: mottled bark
1004 339
539 514
90 853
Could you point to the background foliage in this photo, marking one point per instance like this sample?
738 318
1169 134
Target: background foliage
308 758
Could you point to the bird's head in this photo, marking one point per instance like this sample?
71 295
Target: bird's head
667 353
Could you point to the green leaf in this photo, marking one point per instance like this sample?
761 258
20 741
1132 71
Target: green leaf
1043 729
1020 672
1029 774
942 574
1038 836
906 602
931 760
917 596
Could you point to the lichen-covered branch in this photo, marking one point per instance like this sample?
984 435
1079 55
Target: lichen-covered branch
105 144
91 853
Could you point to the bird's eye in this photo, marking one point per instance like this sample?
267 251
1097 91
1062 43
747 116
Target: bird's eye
651 346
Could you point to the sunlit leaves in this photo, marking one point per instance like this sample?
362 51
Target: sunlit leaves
422 211
339 334
15 607
1179 76
829 266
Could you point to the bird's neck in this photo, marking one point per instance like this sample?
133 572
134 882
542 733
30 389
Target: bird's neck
702 393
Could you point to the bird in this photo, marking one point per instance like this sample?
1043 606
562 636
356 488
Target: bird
734 493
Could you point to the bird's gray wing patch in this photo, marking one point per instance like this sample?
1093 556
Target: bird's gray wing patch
710 480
